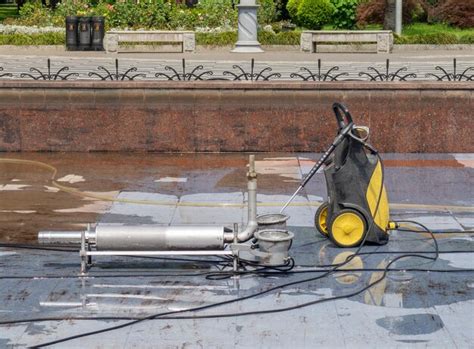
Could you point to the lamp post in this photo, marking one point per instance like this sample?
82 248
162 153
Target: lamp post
247 40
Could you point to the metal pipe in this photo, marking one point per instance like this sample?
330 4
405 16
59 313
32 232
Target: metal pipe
64 237
159 253
158 238
141 237
252 224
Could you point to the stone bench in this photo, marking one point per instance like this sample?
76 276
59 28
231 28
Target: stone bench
310 39
187 39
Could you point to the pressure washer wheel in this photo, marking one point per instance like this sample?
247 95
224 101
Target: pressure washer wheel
347 228
320 219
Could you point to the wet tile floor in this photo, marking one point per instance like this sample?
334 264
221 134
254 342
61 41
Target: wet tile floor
409 307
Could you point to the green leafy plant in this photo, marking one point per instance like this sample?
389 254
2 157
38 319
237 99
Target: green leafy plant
181 17
266 12
344 16
217 13
292 8
467 39
313 14
34 13
144 14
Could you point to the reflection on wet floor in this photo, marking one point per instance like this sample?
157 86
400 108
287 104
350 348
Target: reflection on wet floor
409 305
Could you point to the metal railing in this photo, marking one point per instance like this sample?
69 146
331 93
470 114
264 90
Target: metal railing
246 72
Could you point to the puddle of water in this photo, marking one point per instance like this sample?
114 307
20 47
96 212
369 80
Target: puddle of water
415 324
13 187
71 178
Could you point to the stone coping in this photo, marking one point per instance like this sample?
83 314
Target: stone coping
347 31
239 85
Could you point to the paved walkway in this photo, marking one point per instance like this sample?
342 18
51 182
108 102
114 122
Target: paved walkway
410 307
19 60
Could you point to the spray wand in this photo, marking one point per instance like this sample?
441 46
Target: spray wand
345 129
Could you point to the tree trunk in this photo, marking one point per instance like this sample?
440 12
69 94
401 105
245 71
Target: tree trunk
389 15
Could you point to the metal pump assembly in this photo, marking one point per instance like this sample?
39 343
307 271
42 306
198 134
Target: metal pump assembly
269 248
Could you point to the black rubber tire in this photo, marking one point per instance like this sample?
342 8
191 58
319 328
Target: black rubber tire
334 238
322 230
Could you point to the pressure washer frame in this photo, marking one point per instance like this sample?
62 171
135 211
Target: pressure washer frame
354 183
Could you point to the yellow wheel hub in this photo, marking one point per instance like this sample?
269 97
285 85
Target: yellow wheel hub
348 229
322 220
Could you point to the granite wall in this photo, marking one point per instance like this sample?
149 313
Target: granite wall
215 116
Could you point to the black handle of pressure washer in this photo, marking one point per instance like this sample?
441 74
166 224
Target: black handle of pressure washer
345 130
338 108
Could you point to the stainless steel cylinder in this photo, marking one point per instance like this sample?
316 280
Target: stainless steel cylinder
276 242
272 221
158 238
60 237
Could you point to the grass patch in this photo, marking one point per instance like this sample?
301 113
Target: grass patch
33 39
281 38
216 39
435 34
8 11
264 37
424 29
430 34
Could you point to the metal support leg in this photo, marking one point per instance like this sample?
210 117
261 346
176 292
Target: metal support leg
89 257
83 254
236 241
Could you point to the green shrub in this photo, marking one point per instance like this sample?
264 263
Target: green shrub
34 13
33 39
313 14
266 12
428 39
466 39
144 14
292 8
182 18
344 16
217 13
71 8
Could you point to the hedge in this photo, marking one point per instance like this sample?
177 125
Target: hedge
229 38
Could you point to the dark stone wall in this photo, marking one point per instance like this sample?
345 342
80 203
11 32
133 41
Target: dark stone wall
212 116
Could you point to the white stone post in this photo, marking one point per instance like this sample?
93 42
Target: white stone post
247 41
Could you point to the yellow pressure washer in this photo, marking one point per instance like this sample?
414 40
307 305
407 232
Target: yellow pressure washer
356 210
